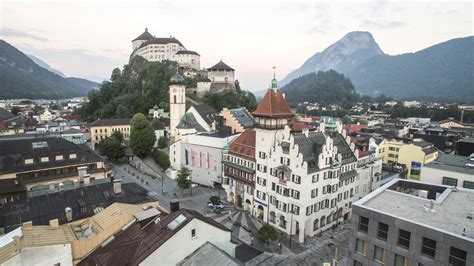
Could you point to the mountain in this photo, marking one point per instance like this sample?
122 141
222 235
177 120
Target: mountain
23 78
343 56
441 72
324 87
45 65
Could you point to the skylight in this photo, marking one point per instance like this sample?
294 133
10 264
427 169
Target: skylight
176 222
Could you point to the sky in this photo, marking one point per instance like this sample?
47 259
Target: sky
90 38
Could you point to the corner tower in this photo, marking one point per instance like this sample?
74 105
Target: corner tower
177 100
271 117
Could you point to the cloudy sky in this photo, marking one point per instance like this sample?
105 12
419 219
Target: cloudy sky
90 38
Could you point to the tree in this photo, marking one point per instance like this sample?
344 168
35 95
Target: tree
117 135
162 143
15 110
116 74
182 178
122 111
162 159
142 135
112 148
267 232
346 120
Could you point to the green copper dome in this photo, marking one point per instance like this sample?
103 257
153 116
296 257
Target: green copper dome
177 79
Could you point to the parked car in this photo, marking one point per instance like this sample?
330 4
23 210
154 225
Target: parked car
218 205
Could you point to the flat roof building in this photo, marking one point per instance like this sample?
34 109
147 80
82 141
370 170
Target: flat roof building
413 223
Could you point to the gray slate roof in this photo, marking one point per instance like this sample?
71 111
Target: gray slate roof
161 40
110 122
243 116
206 112
13 153
189 121
221 66
187 52
453 163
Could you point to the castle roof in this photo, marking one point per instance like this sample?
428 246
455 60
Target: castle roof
144 36
187 52
221 66
161 41
273 104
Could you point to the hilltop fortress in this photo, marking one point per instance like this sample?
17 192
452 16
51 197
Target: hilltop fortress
218 78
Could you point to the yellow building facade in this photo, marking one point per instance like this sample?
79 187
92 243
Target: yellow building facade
101 129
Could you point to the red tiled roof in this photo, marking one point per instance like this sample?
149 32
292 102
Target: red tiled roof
273 104
298 127
244 145
350 128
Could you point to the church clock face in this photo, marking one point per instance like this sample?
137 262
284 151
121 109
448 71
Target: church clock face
174 90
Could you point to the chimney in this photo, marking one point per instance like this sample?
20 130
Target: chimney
306 132
27 226
174 206
87 179
68 212
117 183
82 171
54 224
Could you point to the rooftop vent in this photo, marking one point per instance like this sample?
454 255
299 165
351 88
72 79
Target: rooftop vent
37 145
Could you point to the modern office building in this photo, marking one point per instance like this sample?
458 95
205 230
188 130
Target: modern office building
412 223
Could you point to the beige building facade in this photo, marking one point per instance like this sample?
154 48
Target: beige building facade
103 128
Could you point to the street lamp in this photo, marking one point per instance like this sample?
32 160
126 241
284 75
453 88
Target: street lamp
191 180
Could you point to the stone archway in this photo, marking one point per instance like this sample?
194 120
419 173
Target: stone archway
239 201
248 205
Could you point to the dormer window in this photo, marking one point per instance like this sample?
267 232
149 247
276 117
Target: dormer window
59 157
28 161
44 159
72 156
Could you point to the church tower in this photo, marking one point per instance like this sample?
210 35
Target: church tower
177 102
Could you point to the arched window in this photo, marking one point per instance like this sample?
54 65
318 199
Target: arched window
323 221
174 98
282 221
328 220
272 216
316 224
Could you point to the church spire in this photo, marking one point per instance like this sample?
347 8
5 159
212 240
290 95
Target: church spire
274 82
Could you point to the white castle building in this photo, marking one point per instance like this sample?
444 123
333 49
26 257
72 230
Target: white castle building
162 48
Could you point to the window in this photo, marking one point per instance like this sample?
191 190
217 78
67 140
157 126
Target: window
428 247
297 179
72 156
314 193
468 184
363 224
382 231
358 263
59 157
193 233
309 210
379 254
457 257
404 238
261 155
360 246
44 159
316 224
400 260
28 161
296 194
315 178
448 181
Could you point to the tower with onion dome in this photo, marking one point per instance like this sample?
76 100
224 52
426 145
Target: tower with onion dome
177 101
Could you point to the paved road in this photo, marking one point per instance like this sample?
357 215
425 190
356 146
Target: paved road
314 251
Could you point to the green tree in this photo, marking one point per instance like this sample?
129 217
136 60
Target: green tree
122 111
346 120
117 135
116 74
15 110
267 232
112 148
142 135
182 179
162 159
162 143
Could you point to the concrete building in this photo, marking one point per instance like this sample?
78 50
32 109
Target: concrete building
40 163
160 49
410 155
450 170
304 181
239 170
412 223
202 155
238 119
103 128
